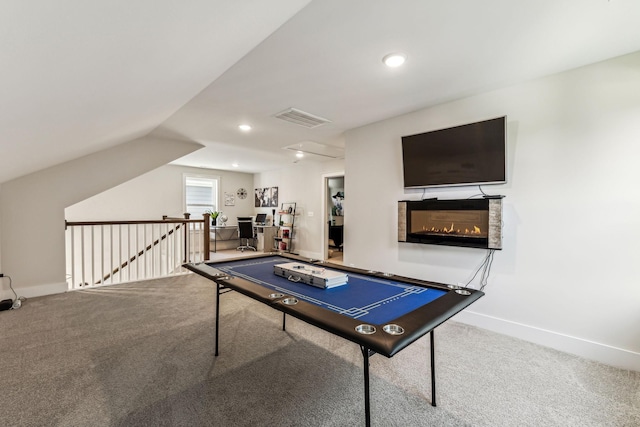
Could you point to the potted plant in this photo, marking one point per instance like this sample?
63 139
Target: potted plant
214 216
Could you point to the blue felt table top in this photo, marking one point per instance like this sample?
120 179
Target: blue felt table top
371 299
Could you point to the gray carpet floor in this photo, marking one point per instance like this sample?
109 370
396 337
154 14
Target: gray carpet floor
141 354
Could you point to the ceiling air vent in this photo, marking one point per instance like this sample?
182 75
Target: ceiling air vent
301 118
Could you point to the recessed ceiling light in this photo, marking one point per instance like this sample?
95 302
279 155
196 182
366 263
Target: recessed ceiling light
394 59
244 128
235 165
299 154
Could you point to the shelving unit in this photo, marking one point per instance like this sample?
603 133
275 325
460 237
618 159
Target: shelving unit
284 240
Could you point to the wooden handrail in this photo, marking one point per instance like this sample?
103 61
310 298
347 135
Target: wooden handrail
178 223
151 221
165 219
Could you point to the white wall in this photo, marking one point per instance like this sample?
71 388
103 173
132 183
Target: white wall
159 192
567 276
303 184
1 292
32 208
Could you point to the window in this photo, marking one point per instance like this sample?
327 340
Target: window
201 194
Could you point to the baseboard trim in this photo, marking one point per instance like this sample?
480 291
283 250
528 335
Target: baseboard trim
42 290
602 353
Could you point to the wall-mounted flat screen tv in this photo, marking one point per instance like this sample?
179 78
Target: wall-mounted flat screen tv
470 154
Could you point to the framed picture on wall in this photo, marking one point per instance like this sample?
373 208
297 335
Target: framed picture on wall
229 199
266 197
273 197
256 197
261 197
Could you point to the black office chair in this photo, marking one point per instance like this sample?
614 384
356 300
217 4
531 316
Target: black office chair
245 231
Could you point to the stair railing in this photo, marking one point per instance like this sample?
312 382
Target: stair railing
108 252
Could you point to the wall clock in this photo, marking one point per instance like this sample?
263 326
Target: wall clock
242 193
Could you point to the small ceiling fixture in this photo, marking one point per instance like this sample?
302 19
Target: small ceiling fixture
394 59
299 154
244 127
235 165
316 149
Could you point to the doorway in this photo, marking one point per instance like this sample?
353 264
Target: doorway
334 212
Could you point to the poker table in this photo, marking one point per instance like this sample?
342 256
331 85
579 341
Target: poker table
381 312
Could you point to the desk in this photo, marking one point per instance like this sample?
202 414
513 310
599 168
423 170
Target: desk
223 232
265 234
381 313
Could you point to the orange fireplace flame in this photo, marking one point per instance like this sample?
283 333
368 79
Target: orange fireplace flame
452 229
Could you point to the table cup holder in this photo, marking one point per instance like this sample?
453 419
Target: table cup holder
365 329
393 329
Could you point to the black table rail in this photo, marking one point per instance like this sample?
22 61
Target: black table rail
374 339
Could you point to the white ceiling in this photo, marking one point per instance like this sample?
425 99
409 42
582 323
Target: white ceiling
79 76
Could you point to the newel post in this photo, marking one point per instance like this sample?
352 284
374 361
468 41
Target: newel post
185 236
206 236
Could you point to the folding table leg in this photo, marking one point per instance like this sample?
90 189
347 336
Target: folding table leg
433 372
217 314
367 406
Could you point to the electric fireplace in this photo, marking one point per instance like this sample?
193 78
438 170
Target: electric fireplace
474 223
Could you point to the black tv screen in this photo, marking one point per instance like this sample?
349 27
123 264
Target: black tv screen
470 154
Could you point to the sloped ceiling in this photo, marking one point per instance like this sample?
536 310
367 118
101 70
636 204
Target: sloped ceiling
80 76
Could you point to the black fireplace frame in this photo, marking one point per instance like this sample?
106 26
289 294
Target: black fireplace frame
493 205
